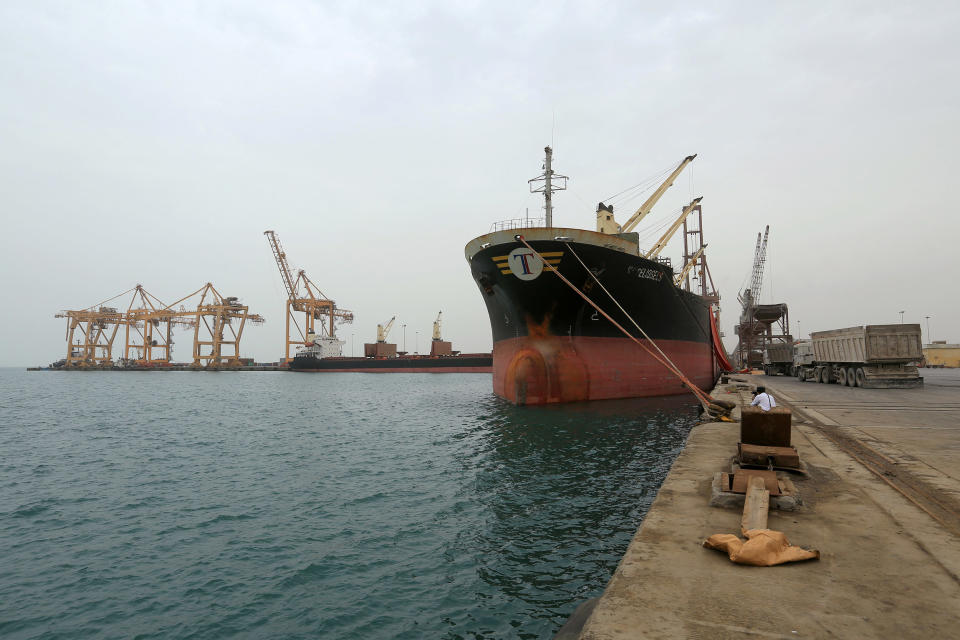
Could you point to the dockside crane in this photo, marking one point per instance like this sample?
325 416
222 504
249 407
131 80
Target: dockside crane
755 329
303 296
749 296
687 267
218 322
90 335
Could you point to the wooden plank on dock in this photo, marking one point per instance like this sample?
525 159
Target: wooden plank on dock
756 506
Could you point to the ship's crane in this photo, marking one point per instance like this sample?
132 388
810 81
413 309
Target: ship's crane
665 238
687 267
305 297
645 208
383 330
436 328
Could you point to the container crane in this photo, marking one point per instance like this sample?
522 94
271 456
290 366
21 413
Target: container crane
303 296
217 321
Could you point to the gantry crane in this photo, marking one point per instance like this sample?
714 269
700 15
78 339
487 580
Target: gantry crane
218 323
644 209
305 297
149 330
149 340
97 327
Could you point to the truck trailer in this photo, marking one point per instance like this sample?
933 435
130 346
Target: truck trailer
778 358
876 356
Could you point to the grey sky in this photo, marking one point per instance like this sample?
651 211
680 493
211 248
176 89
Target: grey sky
153 143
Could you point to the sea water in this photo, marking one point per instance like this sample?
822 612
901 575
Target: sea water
333 505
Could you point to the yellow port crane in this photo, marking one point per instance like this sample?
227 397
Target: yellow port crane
90 335
218 324
217 321
149 330
303 296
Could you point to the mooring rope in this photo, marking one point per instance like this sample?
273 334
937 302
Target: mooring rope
702 396
619 306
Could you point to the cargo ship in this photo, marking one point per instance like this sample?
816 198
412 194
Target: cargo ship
555 297
322 353
410 363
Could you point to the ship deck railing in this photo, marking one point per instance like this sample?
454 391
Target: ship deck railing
518 223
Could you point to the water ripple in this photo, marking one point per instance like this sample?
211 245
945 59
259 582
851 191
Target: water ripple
189 505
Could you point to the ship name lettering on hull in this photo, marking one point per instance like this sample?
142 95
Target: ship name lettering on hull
646 274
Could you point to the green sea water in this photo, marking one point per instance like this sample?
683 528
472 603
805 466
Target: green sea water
338 505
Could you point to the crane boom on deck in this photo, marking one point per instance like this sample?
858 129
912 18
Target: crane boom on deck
687 267
436 327
646 207
383 330
665 238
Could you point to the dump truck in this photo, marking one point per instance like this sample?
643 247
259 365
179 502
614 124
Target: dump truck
802 356
877 356
778 358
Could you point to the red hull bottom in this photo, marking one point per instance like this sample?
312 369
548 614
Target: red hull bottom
529 371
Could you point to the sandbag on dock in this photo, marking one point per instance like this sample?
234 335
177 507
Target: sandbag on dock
763 548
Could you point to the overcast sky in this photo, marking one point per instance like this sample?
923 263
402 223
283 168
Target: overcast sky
154 142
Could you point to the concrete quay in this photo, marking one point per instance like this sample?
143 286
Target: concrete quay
881 502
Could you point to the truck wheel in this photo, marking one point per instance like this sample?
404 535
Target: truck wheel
800 376
851 377
843 377
825 375
861 376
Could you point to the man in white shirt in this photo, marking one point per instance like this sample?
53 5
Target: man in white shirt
763 399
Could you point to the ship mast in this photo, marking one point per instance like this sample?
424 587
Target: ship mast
548 187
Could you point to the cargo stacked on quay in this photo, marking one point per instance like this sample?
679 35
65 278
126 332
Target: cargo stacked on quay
555 297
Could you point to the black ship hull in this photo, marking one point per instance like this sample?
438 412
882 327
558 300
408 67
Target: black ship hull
465 363
551 345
